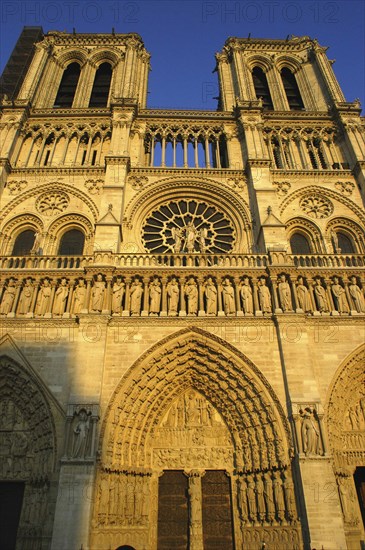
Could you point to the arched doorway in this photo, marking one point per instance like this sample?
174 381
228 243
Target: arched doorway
346 434
191 421
27 459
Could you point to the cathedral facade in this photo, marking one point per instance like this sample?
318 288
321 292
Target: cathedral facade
181 301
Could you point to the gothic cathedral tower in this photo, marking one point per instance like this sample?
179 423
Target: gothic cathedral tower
182 302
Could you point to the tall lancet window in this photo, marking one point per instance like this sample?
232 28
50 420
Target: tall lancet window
66 91
101 86
262 88
291 90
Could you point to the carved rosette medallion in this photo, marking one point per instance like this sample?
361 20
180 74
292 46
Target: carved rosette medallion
194 221
50 204
94 186
316 206
282 187
345 187
137 182
16 187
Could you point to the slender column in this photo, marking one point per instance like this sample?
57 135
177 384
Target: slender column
277 309
174 152
182 312
41 149
295 295
52 150
330 298
163 312
220 300
100 149
311 292
87 296
53 290
107 306
145 297
201 312
69 300
239 311
196 158
185 152
152 150
16 299
88 150
217 154
127 304
163 151
258 312
195 516
207 155
34 298
67 141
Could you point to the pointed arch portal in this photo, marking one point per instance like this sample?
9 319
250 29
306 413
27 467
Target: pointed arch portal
195 406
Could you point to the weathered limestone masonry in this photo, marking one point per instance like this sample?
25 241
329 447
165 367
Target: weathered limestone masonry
182 303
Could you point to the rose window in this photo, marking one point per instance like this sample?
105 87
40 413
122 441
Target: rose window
188 226
316 206
52 203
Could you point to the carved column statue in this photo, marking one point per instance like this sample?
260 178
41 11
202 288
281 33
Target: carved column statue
195 507
80 437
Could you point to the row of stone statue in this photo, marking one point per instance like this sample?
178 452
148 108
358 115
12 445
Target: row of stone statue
187 296
123 499
267 498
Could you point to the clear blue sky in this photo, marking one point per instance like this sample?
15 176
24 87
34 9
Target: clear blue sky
182 36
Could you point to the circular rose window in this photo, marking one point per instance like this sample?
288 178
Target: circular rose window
188 226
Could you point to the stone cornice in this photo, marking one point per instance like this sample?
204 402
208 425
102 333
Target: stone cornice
187 172
269 44
69 113
57 171
313 173
107 39
163 114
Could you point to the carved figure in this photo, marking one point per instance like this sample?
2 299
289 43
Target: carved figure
25 300
210 292
79 297
203 233
177 234
97 294
61 294
246 297
136 292
268 496
310 433
155 296
190 237
8 298
357 296
251 497
191 292
304 298
289 497
228 297
118 293
347 499
339 296
81 435
284 294
36 248
278 496
43 299
320 293
172 289
264 296
259 489
242 499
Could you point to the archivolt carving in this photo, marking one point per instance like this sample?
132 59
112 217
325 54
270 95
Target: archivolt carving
69 55
346 413
27 432
259 60
309 228
229 382
316 189
71 220
22 222
113 55
51 187
355 230
290 61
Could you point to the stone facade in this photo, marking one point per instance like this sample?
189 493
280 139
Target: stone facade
182 303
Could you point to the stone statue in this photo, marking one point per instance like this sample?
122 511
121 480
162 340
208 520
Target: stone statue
191 292
259 490
172 289
210 292
251 497
339 296
79 297
61 294
246 296
136 292
190 237
8 297
242 499
357 296
310 433
284 294
228 297
320 293
25 300
264 296
44 298
97 294
155 296
278 496
203 234
36 248
177 234
304 299
118 293
81 432
347 498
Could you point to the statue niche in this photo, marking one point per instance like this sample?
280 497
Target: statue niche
192 434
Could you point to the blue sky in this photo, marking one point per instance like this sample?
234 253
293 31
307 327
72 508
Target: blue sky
183 36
